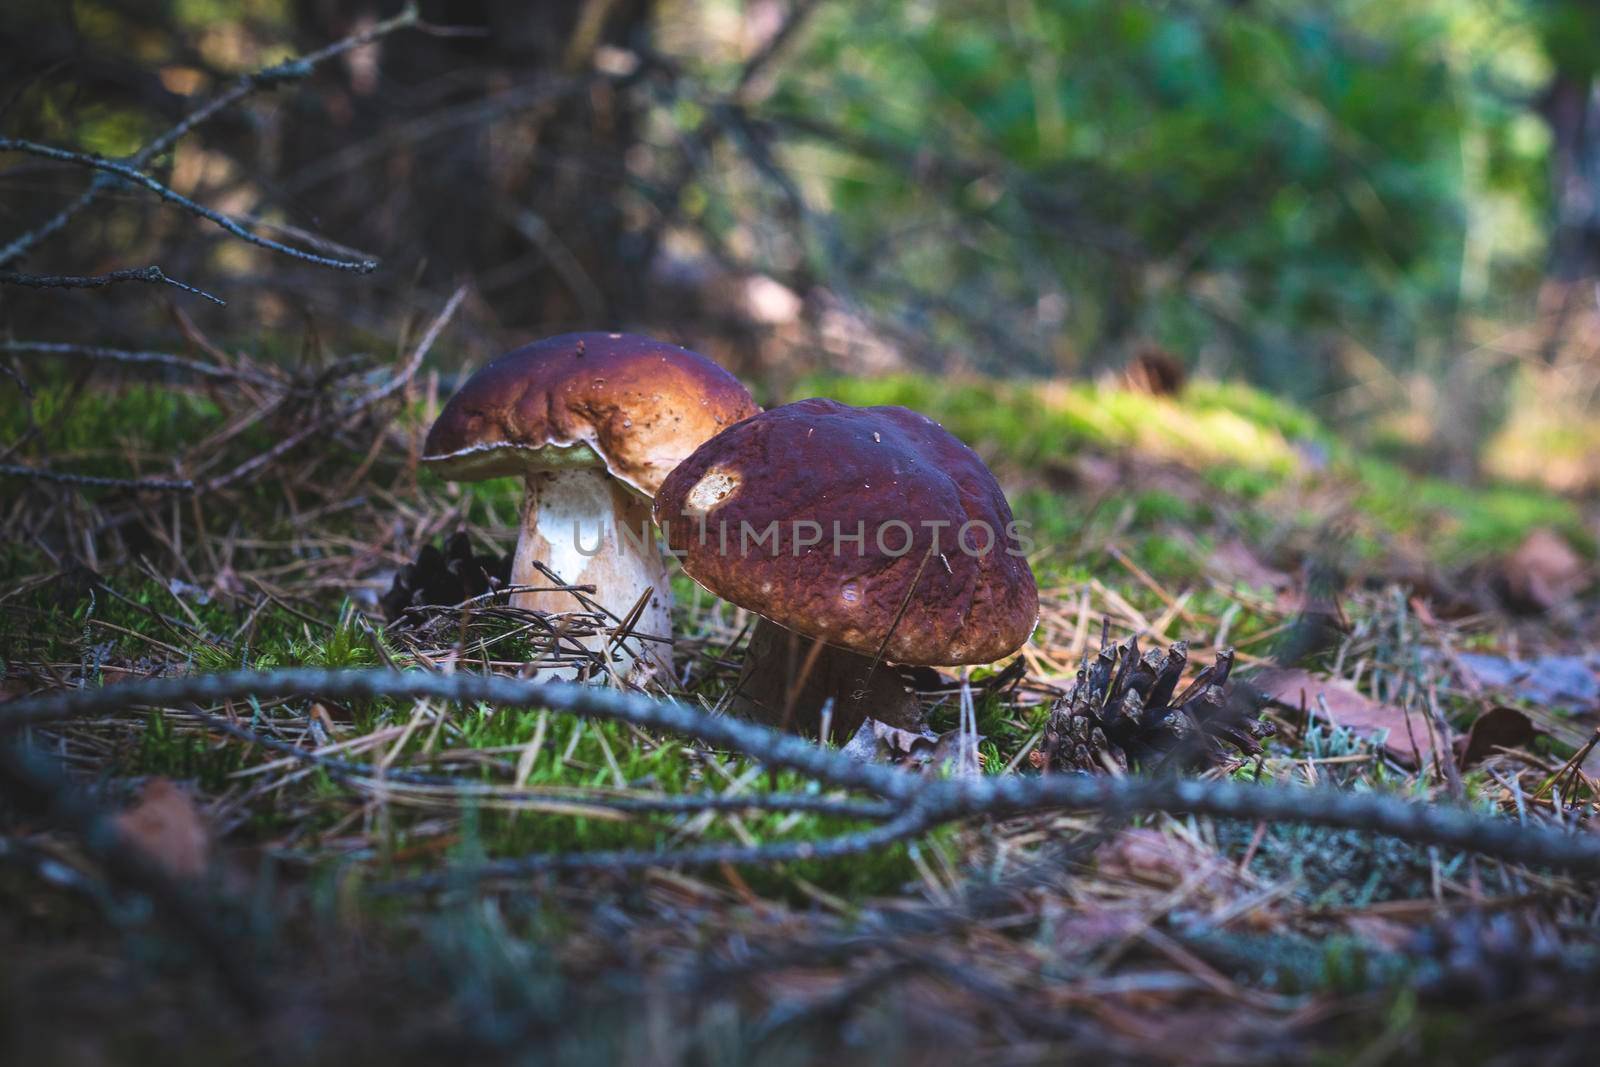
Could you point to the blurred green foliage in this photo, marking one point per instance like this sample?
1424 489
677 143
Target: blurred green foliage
1251 184
1289 191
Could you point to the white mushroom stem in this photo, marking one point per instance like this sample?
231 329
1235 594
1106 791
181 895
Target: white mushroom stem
590 529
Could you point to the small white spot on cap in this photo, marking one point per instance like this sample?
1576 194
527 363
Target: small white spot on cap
715 486
876 437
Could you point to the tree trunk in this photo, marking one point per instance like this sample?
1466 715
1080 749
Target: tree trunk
1572 107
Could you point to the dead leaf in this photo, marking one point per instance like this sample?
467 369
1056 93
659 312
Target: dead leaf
1349 708
1499 727
1167 861
1543 571
1092 924
948 751
167 828
1236 562
878 742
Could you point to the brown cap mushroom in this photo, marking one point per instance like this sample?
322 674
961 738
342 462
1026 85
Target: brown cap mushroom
593 422
870 529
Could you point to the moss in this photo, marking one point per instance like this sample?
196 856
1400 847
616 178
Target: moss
1028 423
152 419
1245 446
163 750
1459 523
1251 456
1550 436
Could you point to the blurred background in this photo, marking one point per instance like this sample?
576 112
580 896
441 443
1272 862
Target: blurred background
1386 212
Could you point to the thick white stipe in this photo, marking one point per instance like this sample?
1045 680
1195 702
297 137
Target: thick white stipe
590 529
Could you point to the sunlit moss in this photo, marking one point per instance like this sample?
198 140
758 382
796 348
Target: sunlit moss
1242 443
1547 440
1032 423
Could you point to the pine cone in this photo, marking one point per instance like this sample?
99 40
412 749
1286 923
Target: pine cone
444 578
1122 711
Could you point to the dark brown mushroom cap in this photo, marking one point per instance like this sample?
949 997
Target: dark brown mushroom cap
640 405
891 474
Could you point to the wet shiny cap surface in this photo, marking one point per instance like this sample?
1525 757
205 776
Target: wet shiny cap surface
634 404
855 525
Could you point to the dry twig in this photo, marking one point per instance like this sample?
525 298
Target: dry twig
277 74
926 802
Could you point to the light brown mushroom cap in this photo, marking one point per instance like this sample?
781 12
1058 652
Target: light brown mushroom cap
632 404
855 470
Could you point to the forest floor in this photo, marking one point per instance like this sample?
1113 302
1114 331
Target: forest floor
1418 638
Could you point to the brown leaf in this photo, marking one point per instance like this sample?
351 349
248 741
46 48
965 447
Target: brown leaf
878 742
1349 708
1092 924
167 828
1543 571
1499 727
1150 857
1235 561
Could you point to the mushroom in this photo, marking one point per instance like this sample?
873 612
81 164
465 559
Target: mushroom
592 422
872 531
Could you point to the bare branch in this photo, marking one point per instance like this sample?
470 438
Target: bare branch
22 383
435 123
364 774
251 466
933 801
700 141
770 747
756 66
349 411
150 274
95 481
138 177
287 71
138 359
